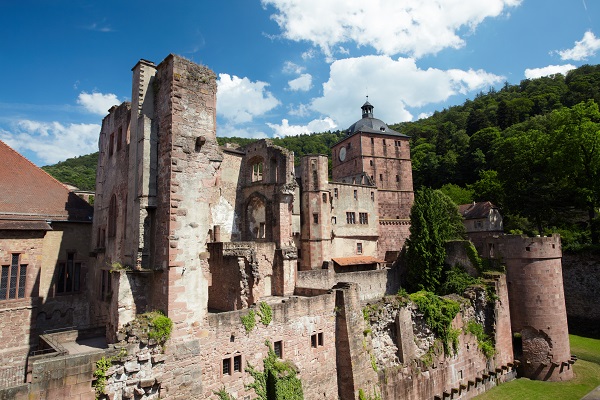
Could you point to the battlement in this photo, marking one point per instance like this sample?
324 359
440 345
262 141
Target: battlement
523 247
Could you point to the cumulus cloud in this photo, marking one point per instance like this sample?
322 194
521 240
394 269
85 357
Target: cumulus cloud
97 103
532 73
316 125
583 48
52 141
399 85
301 110
302 83
239 100
392 27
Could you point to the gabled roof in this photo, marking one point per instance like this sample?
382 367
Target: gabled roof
476 210
29 193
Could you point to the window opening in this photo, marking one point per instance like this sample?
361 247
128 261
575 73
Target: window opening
363 218
350 218
227 366
257 172
278 349
359 248
13 279
237 363
316 218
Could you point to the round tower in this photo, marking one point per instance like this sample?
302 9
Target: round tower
537 303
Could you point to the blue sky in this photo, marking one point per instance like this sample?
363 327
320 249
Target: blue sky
284 67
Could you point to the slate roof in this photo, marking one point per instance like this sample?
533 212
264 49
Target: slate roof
369 124
27 193
476 210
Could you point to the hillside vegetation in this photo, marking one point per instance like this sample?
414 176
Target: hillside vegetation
533 149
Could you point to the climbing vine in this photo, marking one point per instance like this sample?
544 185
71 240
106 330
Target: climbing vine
265 312
278 380
484 343
438 313
223 395
249 320
102 366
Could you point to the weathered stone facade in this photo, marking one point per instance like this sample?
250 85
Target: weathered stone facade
211 236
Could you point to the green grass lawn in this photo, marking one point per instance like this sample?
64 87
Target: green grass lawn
587 377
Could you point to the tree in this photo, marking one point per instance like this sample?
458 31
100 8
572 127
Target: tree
577 155
434 220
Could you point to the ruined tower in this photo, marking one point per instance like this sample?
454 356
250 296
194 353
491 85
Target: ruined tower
537 303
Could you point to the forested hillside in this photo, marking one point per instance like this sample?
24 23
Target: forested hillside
79 171
533 149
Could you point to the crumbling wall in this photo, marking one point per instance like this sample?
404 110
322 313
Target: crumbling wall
411 362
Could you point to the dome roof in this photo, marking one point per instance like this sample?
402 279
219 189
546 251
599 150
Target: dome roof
368 124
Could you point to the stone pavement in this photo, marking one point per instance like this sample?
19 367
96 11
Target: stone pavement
593 395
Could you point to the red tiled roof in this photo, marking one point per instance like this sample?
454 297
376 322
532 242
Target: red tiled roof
358 260
27 192
476 210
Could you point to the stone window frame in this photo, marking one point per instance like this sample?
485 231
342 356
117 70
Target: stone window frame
317 340
359 248
13 279
234 363
256 169
350 217
315 218
278 348
324 197
69 271
363 218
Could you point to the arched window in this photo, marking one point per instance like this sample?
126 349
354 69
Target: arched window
112 217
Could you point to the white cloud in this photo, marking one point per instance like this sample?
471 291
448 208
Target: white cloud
52 141
392 27
307 55
292 68
302 110
97 103
229 130
583 49
532 73
239 100
424 115
302 83
398 84
316 125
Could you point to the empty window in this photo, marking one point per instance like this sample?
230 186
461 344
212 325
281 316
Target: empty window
397 178
237 363
350 218
227 366
359 248
278 349
316 218
324 197
105 286
335 192
257 172
371 163
112 217
333 220
381 177
356 195
398 143
111 144
372 141
12 279
69 275
363 218
384 142
316 340
372 196
119 138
